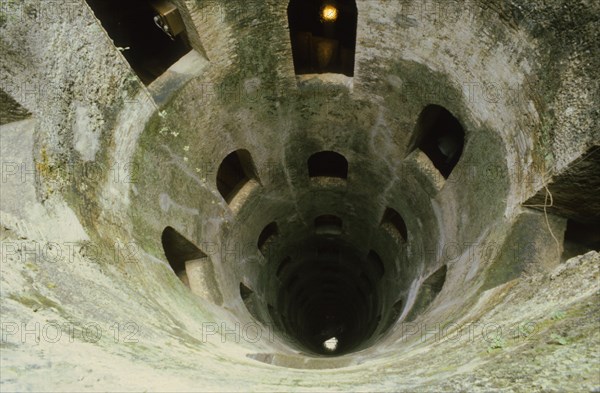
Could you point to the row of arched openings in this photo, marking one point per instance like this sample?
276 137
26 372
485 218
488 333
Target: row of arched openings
438 134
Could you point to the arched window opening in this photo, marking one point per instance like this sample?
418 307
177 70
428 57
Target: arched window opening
150 33
376 264
396 310
394 223
580 238
178 250
328 225
323 35
429 290
283 265
234 172
267 238
440 136
12 111
249 300
245 292
328 164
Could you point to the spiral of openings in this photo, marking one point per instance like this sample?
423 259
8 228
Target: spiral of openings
323 291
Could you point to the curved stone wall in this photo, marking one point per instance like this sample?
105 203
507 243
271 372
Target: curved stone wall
465 288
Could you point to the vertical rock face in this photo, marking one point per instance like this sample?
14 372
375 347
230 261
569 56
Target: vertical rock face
229 225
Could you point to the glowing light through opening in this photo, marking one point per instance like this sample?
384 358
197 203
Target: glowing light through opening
329 13
331 344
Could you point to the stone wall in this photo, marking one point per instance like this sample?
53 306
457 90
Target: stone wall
99 169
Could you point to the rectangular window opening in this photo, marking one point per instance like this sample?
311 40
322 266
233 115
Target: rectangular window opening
150 33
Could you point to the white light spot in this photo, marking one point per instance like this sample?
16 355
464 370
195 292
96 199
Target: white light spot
331 344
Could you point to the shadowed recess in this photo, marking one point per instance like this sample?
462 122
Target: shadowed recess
440 136
328 164
323 35
178 250
131 25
